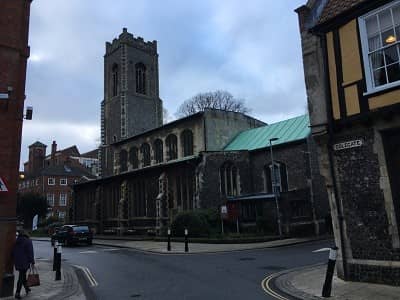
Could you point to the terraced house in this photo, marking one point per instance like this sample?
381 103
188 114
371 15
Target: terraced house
351 59
150 172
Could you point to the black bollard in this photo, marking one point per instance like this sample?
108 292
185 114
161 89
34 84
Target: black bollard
169 240
58 265
55 254
327 288
186 241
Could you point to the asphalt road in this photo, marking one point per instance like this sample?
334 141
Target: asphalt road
129 274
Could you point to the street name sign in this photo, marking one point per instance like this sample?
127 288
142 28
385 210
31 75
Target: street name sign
347 145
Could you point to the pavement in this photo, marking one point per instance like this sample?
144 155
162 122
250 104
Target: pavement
307 282
67 288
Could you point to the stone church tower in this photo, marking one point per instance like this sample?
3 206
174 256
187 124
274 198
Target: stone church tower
131 102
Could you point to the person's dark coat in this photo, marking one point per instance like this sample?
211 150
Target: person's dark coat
23 253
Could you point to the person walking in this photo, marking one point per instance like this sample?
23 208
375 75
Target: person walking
23 259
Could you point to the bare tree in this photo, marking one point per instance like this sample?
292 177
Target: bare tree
215 100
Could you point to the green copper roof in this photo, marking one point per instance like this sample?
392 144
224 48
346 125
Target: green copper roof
287 131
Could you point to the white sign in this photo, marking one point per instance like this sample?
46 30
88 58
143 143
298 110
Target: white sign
347 145
3 187
35 222
224 209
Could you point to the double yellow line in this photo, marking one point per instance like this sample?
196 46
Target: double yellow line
265 286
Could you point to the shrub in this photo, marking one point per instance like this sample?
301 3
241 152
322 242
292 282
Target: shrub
195 222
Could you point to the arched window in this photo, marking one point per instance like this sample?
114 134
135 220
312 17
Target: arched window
145 151
187 142
140 69
279 173
133 157
158 151
172 146
229 179
115 80
123 161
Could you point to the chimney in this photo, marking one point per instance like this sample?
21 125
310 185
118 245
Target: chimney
53 152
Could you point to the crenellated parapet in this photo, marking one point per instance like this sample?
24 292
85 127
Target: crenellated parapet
128 39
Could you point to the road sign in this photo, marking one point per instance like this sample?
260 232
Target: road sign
3 187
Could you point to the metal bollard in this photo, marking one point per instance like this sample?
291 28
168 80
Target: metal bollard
169 240
186 241
55 254
327 288
58 265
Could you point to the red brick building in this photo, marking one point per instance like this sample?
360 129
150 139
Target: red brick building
53 175
14 52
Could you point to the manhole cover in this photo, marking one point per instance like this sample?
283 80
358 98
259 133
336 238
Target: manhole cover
247 258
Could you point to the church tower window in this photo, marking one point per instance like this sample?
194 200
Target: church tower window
140 78
115 80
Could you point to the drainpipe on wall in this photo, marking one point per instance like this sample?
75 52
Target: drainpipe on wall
330 154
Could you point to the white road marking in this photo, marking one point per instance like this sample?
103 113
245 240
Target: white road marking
110 249
322 250
88 252
88 274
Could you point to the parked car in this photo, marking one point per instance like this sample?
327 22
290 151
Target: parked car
72 234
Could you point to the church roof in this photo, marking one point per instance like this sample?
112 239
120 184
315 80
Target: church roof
286 131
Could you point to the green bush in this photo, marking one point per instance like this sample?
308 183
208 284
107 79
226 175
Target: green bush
195 221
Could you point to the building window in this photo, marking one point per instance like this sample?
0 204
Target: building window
50 199
61 215
63 199
380 36
140 78
123 160
158 151
187 142
63 181
115 80
280 182
229 180
51 181
133 157
37 181
172 146
145 151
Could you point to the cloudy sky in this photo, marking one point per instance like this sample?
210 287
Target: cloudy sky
249 48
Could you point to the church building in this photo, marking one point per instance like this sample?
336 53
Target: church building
151 171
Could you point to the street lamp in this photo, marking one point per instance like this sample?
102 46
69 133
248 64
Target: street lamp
273 183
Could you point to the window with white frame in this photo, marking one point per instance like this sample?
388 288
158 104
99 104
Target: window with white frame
63 181
50 199
37 181
63 199
51 181
380 39
61 215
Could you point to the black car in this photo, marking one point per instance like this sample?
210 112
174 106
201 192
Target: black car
72 234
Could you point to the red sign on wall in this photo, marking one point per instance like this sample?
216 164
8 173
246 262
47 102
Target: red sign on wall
3 186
